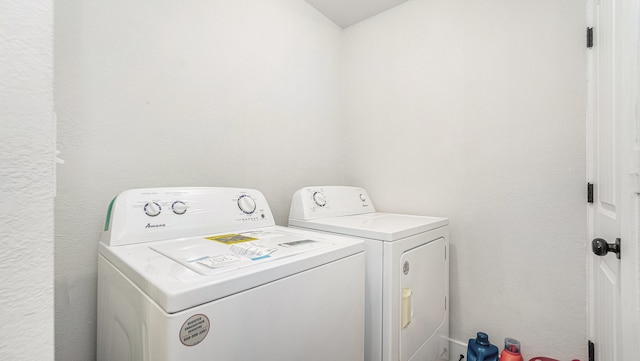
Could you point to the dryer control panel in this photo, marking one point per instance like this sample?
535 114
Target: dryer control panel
329 201
154 214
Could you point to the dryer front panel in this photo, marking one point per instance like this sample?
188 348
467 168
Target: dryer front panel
422 296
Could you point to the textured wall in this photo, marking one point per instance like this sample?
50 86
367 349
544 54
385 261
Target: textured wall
26 180
475 110
163 93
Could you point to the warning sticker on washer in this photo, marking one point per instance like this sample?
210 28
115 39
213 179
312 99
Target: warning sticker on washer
231 238
194 330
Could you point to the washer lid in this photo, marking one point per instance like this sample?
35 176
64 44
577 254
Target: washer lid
183 273
224 253
380 226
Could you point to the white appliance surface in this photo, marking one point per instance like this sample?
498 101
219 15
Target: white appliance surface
349 211
175 275
234 287
407 270
381 226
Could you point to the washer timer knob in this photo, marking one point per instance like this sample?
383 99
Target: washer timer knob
179 207
246 204
319 199
362 197
152 209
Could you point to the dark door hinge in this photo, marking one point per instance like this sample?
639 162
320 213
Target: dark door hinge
592 351
589 192
589 38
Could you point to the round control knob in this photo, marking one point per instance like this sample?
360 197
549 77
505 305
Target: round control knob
362 197
319 199
246 204
152 209
179 207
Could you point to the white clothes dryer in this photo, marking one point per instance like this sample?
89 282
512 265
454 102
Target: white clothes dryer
205 274
407 270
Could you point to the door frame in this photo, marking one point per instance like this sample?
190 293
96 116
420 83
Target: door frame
627 106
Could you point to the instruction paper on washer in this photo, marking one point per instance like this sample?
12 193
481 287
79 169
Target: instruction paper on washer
231 238
230 252
253 252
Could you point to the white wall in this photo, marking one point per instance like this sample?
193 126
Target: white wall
164 93
472 110
475 110
26 180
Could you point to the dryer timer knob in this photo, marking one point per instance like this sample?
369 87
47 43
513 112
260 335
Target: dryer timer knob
319 199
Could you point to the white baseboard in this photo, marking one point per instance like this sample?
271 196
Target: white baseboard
457 348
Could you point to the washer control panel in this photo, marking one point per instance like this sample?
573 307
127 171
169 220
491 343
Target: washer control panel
152 214
329 201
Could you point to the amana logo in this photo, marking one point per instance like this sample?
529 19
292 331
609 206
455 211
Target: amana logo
149 225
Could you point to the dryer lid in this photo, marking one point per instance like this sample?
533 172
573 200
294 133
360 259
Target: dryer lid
387 227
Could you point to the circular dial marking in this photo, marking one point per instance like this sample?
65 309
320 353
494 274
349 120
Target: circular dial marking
319 199
246 204
152 209
179 207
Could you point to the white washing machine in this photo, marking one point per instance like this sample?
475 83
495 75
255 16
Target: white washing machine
205 274
407 277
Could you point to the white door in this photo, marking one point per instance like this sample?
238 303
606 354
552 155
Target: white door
423 303
613 281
